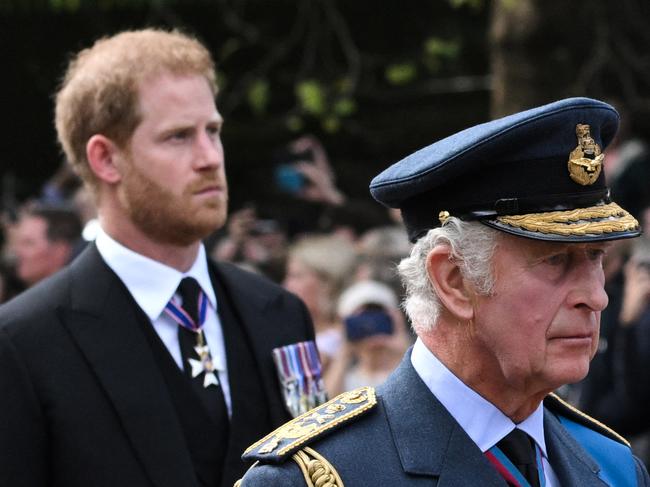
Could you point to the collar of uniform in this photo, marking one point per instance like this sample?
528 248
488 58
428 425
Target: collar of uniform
151 283
483 422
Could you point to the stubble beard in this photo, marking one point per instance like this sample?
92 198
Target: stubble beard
167 218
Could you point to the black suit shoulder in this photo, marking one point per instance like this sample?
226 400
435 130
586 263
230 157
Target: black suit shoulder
38 304
84 285
34 326
249 280
256 290
33 347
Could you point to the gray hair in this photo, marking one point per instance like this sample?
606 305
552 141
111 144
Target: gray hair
472 245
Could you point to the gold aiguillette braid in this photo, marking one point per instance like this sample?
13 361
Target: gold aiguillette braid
318 472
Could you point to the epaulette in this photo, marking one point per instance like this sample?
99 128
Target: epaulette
558 406
288 438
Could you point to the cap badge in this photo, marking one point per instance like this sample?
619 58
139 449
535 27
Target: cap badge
586 160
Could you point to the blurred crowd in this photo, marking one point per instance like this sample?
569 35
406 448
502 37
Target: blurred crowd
43 234
337 259
340 258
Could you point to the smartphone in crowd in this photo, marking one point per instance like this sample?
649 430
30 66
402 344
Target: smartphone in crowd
287 177
368 323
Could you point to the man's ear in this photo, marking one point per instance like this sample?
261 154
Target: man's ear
451 287
104 157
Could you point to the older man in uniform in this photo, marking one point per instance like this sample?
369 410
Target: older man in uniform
510 220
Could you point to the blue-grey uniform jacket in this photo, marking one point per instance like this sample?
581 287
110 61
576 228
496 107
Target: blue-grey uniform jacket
403 436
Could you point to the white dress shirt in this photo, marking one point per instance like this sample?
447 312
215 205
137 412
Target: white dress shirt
152 284
483 422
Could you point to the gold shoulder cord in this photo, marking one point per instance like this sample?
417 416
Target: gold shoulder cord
318 472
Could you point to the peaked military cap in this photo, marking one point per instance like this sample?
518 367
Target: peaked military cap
537 174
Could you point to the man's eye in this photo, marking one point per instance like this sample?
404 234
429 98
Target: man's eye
180 135
557 259
596 254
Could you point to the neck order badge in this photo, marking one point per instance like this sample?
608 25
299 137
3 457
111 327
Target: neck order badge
191 317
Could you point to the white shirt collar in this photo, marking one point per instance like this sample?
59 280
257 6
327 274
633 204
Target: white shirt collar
484 423
151 283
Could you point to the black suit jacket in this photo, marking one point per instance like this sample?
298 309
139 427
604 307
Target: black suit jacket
82 401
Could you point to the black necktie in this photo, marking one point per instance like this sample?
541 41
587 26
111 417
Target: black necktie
520 450
212 396
189 290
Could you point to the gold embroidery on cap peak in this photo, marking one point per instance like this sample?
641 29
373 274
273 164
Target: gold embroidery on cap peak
575 222
586 160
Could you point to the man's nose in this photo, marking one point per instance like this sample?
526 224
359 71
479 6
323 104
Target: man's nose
589 288
209 151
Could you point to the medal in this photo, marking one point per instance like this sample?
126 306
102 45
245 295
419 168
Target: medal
299 371
204 364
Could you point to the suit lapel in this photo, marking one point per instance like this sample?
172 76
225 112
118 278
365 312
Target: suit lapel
103 322
428 439
570 462
250 305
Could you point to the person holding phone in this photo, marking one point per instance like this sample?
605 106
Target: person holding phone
317 270
304 170
375 337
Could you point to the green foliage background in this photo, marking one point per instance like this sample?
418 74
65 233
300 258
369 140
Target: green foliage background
373 80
